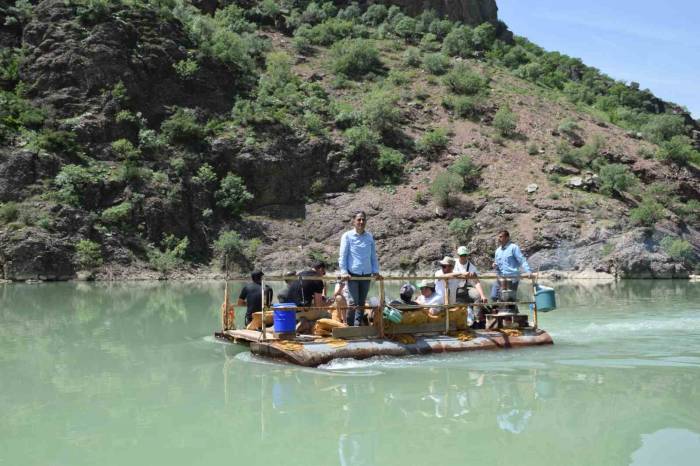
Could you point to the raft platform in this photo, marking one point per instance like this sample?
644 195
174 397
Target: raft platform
312 351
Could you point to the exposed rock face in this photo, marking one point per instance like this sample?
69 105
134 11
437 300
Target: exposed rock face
472 12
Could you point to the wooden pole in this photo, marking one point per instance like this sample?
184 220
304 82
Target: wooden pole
379 318
264 331
534 307
224 309
447 302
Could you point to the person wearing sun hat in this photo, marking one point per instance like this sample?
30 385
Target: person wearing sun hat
469 290
428 296
446 270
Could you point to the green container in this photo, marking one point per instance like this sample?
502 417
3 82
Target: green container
545 298
392 315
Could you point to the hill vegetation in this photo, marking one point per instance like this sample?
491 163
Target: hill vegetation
169 135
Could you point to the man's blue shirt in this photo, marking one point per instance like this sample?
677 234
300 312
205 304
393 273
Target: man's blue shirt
509 259
358 254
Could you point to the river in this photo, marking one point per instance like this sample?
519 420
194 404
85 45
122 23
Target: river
128 374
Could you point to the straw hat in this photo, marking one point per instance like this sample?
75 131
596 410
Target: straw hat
447 260
426 284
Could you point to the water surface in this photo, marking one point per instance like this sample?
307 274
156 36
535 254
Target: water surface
128 374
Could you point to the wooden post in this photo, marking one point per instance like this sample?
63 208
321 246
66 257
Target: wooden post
447 302
380 317
224 309
264 330
534 308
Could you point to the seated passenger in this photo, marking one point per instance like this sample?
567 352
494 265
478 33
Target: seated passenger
429 297
447 270
308 292
406 297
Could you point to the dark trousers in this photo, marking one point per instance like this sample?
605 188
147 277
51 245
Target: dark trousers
358 289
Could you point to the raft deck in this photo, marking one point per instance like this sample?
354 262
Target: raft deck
312 351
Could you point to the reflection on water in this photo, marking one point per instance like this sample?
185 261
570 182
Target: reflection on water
129 374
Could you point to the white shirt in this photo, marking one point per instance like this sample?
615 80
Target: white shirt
433 299
464 268
452 284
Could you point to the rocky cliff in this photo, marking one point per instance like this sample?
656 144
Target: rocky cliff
137 138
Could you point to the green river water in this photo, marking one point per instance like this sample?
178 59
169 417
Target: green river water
128 374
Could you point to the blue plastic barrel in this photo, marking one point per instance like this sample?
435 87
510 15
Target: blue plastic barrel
284 317
545 299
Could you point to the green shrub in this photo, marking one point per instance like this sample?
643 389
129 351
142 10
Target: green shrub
74 182
232 194
433 142
465 106
689 211
461 229
206 176
126 116
345 116
429 43
302 44
381 112
182 128
117 215
361 141
436 63
171 257
228 246
505 122
406 28
569 127
614 178
679 150
375 14
9 212
390 163
647 213
465 167
464 81
355 58
677 248
663 127
125 150
58 142
91 12
459 42
186 69
88 254
444 186
483 36
412 57
533 149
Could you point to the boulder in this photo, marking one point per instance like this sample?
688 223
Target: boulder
35 254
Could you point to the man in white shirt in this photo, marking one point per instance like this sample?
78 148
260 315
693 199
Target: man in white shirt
469 291
446 270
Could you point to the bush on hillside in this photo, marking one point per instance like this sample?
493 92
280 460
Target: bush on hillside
436 63
615 178
505 122
390 164
463 80
88 254
647 213
444 186
232 194
361 141
461 229
412 57
677 248
380 111
465 106
229 246
171 257
459 42
679 150
9 212
433 142
58 142
182 128
663 127
355 58
467 169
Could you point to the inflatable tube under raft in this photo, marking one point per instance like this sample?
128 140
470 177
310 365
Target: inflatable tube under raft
324 350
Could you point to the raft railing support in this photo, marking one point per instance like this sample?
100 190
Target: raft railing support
447 303
380 315
264 330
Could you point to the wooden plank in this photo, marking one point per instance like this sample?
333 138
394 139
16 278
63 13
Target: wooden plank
432 327
355 332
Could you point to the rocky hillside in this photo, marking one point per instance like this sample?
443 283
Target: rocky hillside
148 138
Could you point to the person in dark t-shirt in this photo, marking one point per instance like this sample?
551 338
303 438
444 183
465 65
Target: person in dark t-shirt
308 292
251 296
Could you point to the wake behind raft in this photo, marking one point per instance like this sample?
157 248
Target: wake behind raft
411 331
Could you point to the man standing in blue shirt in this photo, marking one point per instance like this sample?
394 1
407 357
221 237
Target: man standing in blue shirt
507 262
358 258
